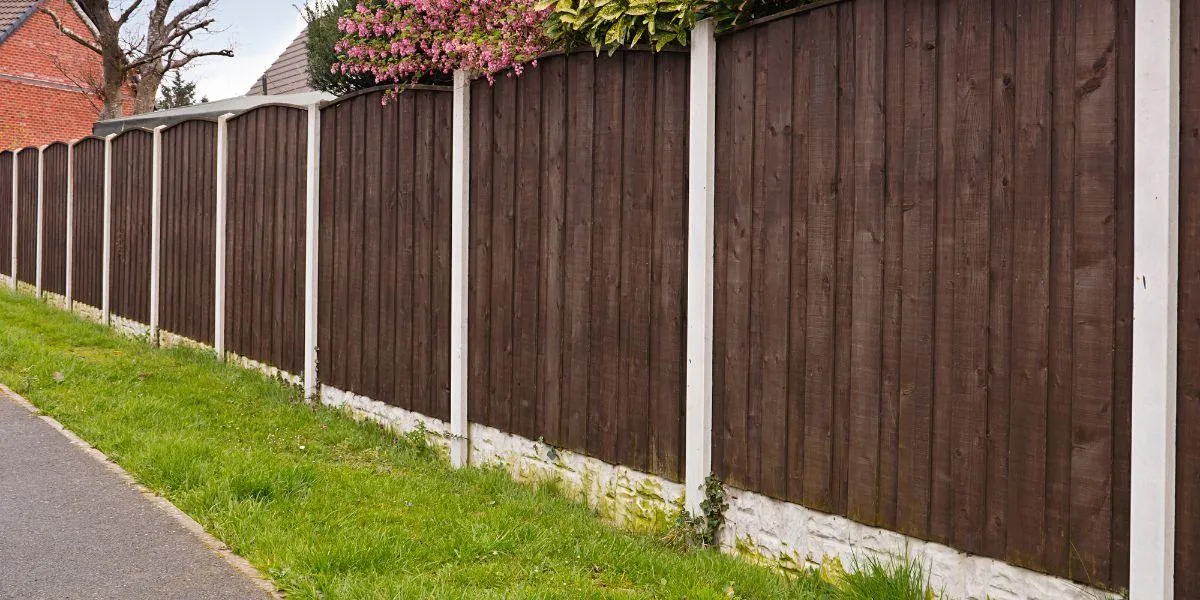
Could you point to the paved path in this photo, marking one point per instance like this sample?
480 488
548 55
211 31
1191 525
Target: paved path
72 528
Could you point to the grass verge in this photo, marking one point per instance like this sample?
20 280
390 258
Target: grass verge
331 508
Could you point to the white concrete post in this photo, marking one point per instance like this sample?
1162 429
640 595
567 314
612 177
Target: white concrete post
460 232
70 224
38 236
1155 298
219 266
155 232
106 268
16 189
701 241
311 232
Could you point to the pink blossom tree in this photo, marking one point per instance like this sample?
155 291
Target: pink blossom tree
405 41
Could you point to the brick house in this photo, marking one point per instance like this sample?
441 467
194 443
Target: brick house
45 77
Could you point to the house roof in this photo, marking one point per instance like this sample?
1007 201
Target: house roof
288 74
14 13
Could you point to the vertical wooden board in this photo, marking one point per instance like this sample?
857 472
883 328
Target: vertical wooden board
577 285
326 295
1000 277
372 313
752 417
356 224
1095 293
1061 323
723 143
551 255
889 401
866 327
1187 484
440 141
6 200
843 292
389 191
772 264
940 497
669 265
342 251
1123 376
637 230
280 179
422 374
919 189
27 191
526 304
54 222
504 105
480 270
255 237
822 197
737 268
603 419
1026 481
406 162
798 234
296 261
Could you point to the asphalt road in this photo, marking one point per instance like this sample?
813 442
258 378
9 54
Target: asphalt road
70 528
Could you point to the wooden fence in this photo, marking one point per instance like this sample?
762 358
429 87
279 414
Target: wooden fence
924 248
385 235
265 238
189 200
54 218
87 222
6 208
578 208
924 222
27 191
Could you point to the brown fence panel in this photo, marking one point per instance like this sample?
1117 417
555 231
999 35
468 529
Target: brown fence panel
87 222
578 231
1187 468
188 229
264 284
385 248
924 244
54 219
27 191
6 200
130 205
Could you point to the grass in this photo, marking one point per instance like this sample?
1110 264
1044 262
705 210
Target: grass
331 508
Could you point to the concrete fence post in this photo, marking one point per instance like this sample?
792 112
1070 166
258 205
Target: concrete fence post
39 236
155 232
311 233
16 189
701 174
69 286
1155 298
219 239
460 232
106 254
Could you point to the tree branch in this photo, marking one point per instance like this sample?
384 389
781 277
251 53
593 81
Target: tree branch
89 44
190 56
128 12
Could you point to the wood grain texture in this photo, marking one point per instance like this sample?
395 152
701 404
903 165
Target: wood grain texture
950 304
6 200
130 225
188 235
27 193
54 219
87 215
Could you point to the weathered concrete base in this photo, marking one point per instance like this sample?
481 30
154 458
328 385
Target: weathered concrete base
792 537
268 370
129 327
392 417
166 339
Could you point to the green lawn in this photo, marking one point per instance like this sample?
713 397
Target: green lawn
330 508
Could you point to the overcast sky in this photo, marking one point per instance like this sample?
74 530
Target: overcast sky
257 30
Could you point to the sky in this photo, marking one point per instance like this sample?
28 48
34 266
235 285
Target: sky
258 31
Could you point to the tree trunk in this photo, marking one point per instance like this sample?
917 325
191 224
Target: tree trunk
147 90
111 91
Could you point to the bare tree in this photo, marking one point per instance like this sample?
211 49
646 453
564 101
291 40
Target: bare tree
141 59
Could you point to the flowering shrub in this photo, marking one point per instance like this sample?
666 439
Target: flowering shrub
404 41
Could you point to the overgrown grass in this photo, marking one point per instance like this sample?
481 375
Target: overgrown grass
331 508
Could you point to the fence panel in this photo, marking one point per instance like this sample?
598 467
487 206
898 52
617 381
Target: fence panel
130 204
385 248
578 229
54 219
87 227
1187 468
188 229
27 191
6 200
924 243
264 288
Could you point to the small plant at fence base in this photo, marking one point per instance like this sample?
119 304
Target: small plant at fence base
701 530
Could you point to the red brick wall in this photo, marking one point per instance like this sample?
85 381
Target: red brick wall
35 114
